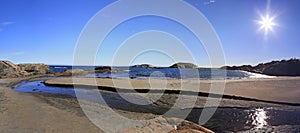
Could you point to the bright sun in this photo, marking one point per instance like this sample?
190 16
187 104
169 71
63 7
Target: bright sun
267 23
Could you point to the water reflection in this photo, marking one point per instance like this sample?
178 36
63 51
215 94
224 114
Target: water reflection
259 118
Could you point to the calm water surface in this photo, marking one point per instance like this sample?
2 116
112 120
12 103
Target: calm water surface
137 72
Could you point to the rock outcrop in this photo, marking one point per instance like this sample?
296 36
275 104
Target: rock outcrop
184 65
10 70
275 68
35 68
286 68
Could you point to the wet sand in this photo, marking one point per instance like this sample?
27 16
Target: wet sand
275 90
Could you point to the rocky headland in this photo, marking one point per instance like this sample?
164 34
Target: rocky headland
275 68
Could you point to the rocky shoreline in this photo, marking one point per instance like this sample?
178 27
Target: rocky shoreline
274 68
251 94
10 70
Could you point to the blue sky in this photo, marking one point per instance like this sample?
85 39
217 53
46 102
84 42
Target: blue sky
46 31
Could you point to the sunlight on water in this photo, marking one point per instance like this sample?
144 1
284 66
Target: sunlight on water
259 118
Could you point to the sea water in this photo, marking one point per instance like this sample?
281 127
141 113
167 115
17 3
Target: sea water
165 72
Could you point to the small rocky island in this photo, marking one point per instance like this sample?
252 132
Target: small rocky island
183 65
143 66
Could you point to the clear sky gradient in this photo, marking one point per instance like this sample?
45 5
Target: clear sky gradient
46 31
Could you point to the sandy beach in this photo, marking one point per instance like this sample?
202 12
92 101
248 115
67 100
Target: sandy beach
45 112
24 112
32 112
56 112
238 94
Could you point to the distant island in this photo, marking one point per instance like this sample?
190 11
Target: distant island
275 68
176 65
144 66
184 65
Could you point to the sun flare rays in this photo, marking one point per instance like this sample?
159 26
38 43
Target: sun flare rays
267 23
